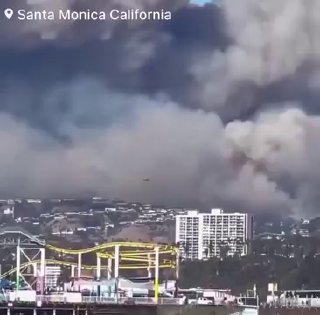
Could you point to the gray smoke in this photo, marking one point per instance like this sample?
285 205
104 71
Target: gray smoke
187 155
272 42
218 108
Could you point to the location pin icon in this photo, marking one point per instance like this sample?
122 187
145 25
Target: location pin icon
8 13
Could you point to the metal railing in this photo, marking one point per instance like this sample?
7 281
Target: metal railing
138 301
114 300
294 302
51 299
98 300
61 299
170 301
300 303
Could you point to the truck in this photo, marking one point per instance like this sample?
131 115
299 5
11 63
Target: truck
201 301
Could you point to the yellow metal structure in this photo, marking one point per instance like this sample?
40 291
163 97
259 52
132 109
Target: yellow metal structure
128 251
105 246
119 255
69 264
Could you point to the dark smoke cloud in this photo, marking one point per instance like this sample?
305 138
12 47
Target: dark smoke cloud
218 107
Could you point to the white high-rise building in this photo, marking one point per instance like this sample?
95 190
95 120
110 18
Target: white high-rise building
205 235
52 275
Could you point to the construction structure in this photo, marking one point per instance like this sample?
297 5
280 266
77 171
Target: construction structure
33 255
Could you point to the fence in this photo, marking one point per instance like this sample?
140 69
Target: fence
295 302
61 299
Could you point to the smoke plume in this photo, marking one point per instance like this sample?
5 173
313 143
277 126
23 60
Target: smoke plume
217 107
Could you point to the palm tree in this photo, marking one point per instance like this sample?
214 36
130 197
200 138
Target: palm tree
224 249
211 249
239 246
206 252
186 247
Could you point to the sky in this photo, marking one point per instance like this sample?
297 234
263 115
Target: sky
217 107
200 1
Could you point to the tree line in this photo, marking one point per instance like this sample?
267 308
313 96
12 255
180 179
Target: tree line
293 262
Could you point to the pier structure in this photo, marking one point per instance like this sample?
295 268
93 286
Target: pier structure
111 258
63 305
117 310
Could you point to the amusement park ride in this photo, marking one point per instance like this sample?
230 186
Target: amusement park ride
33 254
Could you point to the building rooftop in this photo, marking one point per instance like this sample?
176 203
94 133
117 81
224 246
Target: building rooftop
216 211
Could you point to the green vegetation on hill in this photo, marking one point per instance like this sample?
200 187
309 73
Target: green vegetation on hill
292 263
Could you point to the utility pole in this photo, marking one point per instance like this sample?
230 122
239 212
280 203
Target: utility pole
156 275
18 262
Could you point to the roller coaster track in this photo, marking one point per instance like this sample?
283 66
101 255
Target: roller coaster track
141 248
163 249
132 255
21 232
86 267
141 254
